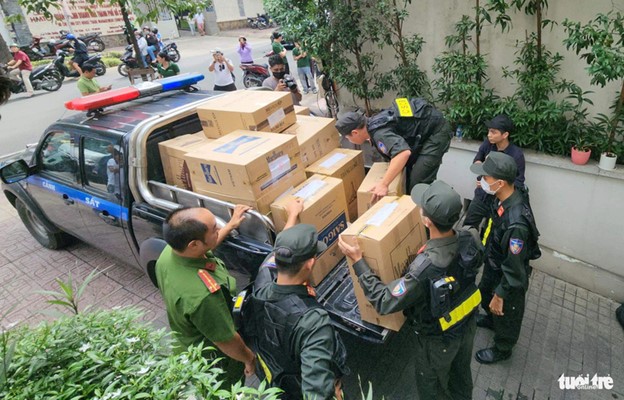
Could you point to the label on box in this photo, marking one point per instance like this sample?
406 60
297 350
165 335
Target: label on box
279 166
276 117
210 174
231 147
310 189
333 160
382 215
330 234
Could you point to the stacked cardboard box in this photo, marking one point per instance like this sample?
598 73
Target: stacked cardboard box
172 154
390 235
300 110
374 176
317 136
246 167
324 207
344 164
246 109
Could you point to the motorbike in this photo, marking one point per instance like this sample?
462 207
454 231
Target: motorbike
92 40
44 77
264 21
37 51
129 61
254 74
65 72
252 23
172 51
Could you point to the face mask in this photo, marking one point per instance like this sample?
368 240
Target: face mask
279 75
487 187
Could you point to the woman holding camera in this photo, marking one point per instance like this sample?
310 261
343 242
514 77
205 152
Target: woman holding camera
280 81
223 70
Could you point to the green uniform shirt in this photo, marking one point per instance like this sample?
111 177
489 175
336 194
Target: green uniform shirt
302 62
278 48
195 314
171 70
312 342
88 86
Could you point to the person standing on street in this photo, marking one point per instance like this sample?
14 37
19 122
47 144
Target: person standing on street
299 351
20 67
279 49
279 81
511 241
199 20
412 135
303 69
244 51
223 70
197 288
443 337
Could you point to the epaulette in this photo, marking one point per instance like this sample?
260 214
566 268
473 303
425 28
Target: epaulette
208 280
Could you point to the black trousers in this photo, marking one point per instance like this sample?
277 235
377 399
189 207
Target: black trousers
506 327
424 170
443 365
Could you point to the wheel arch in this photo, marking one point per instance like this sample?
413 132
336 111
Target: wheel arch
149 251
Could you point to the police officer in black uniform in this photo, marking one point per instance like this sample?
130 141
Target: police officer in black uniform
298 350
511 241
437 293
411 134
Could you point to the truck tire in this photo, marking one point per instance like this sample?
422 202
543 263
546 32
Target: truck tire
47 238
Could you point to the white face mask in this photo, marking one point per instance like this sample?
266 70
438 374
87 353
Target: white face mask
487 187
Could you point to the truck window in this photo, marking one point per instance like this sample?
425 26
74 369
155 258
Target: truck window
59 156
103 167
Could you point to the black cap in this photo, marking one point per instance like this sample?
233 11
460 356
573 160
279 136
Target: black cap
298 244
501 122
440 202
497 165
350 121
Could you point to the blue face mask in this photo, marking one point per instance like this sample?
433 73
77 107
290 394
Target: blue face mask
487 187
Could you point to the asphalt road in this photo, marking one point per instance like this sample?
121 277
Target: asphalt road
24 119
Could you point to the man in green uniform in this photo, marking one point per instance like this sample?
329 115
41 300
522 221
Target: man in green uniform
197 289
444 337
298 349
279 49
411 134
511 241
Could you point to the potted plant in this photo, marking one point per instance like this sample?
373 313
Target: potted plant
602 40
581 151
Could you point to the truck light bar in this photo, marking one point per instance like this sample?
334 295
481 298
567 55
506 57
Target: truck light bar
143 89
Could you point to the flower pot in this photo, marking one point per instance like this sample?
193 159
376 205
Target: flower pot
607 161
580 157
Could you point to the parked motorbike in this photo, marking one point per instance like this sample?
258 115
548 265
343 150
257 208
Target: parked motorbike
92 40
172 51
37 51
254 74
129 61
44 77
252 23
61 67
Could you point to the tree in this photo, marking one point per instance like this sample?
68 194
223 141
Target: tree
13 11
149 12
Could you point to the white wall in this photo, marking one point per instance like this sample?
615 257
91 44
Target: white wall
229 10
579 211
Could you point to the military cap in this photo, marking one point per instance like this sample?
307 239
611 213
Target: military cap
497 165
440 202
297 244
350 121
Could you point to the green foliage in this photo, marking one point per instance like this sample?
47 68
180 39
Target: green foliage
70 294
600 43
110 354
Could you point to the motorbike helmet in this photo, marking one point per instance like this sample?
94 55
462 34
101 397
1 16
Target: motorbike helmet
70 36
155 31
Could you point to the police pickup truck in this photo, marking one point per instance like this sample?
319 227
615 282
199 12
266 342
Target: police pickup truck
61 189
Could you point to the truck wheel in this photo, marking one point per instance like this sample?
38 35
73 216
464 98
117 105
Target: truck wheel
47 238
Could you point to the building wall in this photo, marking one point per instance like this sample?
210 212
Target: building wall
578 210
232 10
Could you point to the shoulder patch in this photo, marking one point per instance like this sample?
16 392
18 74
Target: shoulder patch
382 147
208 280
399 290
515 246
270 262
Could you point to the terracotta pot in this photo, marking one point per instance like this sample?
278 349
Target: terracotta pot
580 157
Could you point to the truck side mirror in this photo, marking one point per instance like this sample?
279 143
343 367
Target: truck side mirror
14 172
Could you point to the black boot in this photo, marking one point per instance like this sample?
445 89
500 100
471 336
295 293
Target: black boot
491 355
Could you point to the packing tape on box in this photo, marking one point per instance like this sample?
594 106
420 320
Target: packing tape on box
279 166
333 160
382 215
276 117
310 189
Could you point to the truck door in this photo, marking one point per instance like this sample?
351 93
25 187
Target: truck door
104 187
56 186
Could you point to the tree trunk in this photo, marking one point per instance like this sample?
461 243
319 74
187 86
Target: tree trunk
5 54
130 29
23 36
538 12
616 119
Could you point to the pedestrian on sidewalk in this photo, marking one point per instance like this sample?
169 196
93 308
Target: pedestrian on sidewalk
20 66
199 20
303 68
223 70
244 51
511 242
279 49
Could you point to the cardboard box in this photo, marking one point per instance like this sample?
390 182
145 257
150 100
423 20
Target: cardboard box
390 235
172 154
324 207
375 175
300 110
347 165
245 165
317 136
246 109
